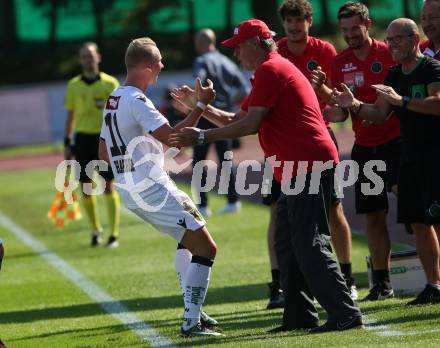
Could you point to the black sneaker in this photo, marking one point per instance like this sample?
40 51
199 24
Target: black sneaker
276 297
341 325
379 291
207 321
430 295
96 238
112 242
198 330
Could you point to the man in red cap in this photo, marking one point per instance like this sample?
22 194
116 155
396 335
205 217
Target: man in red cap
283 109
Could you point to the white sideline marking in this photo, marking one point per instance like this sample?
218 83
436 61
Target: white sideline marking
385 330
108 303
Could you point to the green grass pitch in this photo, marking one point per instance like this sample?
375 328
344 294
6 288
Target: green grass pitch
39 307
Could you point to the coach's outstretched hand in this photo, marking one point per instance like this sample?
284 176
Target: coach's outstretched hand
204 94
344 99
318 78
187 136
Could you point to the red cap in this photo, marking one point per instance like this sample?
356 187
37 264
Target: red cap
247 30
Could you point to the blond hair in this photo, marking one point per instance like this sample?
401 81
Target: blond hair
138 51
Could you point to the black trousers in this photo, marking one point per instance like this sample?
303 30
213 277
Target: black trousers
307 266
200 153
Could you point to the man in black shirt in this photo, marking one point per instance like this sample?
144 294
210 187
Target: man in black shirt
412 91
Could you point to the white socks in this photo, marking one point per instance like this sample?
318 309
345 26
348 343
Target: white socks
196 285
181 263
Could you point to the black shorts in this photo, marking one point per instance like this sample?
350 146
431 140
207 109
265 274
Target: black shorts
418 200
272 197
390 154
86 149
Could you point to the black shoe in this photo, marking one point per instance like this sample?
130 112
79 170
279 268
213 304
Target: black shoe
96 238
379 291
198 330
276 297
430 295
341 325
112 242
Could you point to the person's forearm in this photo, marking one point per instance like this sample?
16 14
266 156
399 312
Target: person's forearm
369 112
219 117
237 129
68 128
191 119
324 92
427 106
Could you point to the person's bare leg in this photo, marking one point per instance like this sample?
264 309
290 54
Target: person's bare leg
428 251
379 245
341 239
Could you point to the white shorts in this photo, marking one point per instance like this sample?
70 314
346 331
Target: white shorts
172 214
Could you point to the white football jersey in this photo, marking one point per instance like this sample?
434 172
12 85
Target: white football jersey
136 158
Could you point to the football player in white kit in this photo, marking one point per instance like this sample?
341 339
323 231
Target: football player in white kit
132 134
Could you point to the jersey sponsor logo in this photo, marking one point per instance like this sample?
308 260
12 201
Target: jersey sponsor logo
376 67
418 91
312 65
348 67
124 166
112 103
354 79
142 98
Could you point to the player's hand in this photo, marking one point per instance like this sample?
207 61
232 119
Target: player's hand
389 94
205 94
317 78
344 99
187 136
335 114
185 96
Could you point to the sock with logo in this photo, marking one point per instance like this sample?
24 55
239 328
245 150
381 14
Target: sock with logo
91 208
196 285
114 211
181 263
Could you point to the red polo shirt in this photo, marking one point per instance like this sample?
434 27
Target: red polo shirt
293 130
427 49
317 53
359 76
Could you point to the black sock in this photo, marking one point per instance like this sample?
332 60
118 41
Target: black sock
347 273
382 276
276 278
180 246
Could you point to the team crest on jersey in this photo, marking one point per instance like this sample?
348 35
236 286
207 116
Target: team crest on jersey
418 91
112 103
376 67
312 65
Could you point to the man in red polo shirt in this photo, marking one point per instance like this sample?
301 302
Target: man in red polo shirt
307 53
430 18
283 109
364 63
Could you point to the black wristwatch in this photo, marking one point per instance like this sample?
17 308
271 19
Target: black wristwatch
405 101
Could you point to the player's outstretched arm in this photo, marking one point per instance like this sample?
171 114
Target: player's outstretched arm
204 95
186 97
